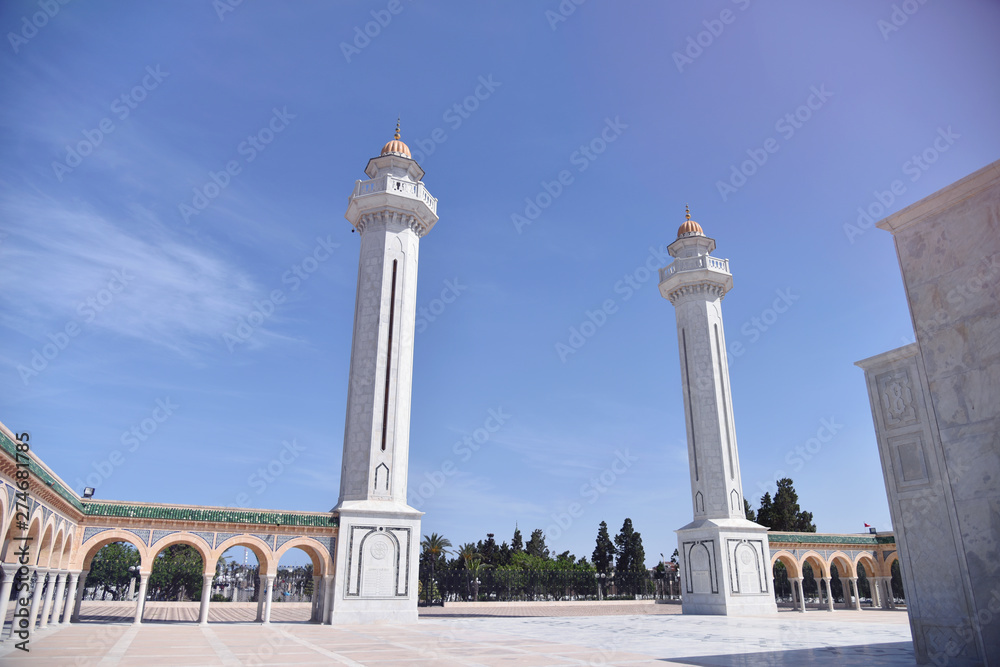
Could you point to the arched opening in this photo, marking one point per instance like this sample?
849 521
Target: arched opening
298 584
810 587
841 573
783 569
865 569
898 594
236 587
114 569
175 580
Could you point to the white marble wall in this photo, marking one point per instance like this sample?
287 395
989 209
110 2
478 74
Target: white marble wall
948 246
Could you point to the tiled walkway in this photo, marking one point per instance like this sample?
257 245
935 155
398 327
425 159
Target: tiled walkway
869 638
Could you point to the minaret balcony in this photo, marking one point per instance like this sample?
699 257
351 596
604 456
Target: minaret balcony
700 269
397 186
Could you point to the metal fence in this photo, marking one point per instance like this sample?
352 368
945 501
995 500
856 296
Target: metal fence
537 585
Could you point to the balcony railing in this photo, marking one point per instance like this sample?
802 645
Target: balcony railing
396 186
694 263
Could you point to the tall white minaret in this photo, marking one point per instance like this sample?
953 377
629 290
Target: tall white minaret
379 538
725 559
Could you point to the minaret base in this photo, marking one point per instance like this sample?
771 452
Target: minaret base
725 568
377 563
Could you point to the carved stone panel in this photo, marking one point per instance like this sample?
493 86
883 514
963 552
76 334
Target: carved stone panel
895 392
701 567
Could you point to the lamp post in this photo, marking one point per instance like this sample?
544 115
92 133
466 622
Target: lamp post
599 576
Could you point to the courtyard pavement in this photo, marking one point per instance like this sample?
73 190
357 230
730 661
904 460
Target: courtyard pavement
636 635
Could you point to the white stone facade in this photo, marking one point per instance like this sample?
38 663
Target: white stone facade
379 539
936 409
725 559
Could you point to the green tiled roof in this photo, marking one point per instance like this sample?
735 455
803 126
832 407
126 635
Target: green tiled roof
97 508
36 470
813 538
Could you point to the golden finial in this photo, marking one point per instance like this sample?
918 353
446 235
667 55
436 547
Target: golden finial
687 210
397 127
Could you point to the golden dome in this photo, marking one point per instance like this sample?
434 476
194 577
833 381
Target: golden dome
396 147
689 227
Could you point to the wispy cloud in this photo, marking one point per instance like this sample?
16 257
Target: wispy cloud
59 260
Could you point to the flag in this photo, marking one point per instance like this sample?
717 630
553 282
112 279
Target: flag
868 525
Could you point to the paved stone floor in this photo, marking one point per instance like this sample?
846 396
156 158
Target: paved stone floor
869 638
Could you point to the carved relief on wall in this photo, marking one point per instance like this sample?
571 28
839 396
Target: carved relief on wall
701 569
378 562
746 572
895 392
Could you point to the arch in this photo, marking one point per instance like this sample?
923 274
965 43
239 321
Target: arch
819 565
845 568
261 549
45 544
788 560
866 560
193 541
55 553
90 548
888 560
67 553
7 536
34 533
320 555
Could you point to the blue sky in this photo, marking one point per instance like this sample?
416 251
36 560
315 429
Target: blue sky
211 310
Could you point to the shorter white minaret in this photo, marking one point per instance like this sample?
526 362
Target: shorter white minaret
725 559
378 544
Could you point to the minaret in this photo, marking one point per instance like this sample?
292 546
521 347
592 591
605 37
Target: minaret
725 559
379 537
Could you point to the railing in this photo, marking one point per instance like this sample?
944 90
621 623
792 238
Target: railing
694 263
396 186
534 585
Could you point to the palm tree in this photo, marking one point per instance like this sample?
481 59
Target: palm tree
433 548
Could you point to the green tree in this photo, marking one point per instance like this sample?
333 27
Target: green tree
504 554
466 554
516 544
109 568
434 549
765 513
536 545
628 545
751 516
604 553
177 573
489 551
785 512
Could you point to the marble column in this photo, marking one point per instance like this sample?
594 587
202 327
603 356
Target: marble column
70 597
36 595
845 585
327 600
857 594
57 600
260 599
829 593
140 603
890 598
206 598
797 591
267 600
9 572
50 588
80 591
